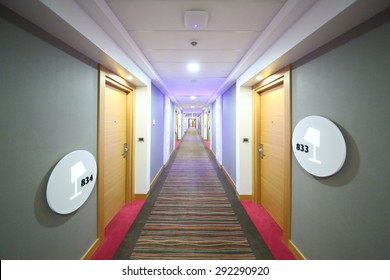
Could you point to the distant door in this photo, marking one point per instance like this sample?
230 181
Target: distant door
206 126
272 145
114 151
177 127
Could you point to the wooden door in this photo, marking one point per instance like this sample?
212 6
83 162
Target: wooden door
115 141
272 132
272 143
115 128
206 124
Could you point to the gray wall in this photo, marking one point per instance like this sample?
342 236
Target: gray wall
48 108
157 132
229 131
346 216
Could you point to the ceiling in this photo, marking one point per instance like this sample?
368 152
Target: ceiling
158 29
149 39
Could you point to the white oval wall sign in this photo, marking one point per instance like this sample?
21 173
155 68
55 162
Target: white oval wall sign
319 146
71 182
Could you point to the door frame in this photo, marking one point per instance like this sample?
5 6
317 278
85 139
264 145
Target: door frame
176 126
207 113
281 77
112 79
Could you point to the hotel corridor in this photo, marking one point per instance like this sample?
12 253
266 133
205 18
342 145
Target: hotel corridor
193 213
199 130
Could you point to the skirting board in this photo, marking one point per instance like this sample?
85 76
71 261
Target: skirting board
246 197
212 153
169 159
144 196
295 251
140 195
91 250
156 177
228 176
240 196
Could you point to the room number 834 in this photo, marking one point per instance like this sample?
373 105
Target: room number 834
86 180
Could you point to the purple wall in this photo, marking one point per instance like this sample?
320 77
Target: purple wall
157 132
229 131
213 127
173 122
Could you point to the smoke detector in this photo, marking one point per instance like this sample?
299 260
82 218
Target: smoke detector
196 20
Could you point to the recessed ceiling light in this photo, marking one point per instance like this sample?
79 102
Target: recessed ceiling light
192 97
192 106
129 77
193 67
259 77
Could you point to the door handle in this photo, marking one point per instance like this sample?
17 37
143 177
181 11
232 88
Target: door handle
125 150
261 151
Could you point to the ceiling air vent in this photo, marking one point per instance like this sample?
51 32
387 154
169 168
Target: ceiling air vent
196 20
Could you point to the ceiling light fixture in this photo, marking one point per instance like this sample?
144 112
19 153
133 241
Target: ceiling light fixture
193 67
129 77
192 97
196 20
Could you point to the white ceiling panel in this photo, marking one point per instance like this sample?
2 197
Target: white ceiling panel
169 14
194 83
205 68
155 56
199 88
223 40
200 94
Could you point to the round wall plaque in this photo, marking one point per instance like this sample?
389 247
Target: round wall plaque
71 182
319 146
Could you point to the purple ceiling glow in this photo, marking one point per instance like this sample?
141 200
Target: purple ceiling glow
214 40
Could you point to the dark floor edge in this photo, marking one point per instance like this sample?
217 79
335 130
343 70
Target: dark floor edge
258 245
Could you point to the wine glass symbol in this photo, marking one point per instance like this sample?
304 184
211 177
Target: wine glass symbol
313 136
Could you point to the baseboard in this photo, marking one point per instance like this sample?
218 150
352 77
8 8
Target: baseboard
295 251
141 195
91 250
169 159
228 176
246 197
240 196
156 177
215 158
154 181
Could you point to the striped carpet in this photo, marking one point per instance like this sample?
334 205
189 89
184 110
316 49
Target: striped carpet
191 215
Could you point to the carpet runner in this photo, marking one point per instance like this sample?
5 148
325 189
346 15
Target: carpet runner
192 213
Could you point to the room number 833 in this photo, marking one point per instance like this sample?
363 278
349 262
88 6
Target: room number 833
302 148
